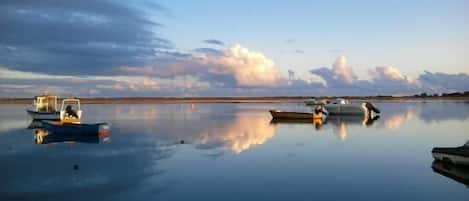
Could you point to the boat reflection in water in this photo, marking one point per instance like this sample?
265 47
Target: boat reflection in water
338 123
43 136
458 173
316 122
365 121
35 124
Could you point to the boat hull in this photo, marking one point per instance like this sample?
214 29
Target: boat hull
338 109
75 128
457 155
294 115
36 115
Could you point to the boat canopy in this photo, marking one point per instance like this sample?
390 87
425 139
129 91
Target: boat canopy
70 111
45 103
71 102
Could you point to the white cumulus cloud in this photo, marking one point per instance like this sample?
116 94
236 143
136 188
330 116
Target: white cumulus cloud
343 71
234 66
389 73
249 68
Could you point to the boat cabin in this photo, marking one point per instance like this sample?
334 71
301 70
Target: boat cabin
70 111
45 103
341 101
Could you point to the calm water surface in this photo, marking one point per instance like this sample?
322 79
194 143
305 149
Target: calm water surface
234 152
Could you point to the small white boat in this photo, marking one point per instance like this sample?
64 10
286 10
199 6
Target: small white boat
453 155
311 101
344 107
44 108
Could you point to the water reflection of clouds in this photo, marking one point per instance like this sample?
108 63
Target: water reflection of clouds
50 173
244 132
395 115
11 124
144 112
206 126
394 120
237 128
12 117
341 131
443 111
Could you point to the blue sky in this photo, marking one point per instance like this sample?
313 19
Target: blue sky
413 35
160 48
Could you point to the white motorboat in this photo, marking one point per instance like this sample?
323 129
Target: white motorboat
311 101
44 108
344 107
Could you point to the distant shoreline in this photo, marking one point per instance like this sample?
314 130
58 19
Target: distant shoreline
274 99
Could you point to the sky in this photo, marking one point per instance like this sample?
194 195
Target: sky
232 48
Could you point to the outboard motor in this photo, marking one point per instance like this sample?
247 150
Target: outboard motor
320 109
371 107
370 121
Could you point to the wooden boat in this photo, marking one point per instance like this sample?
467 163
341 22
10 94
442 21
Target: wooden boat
317 119
456 172
290 121
317 113
344 107
44 108
76 128
279 114
334 120
454 155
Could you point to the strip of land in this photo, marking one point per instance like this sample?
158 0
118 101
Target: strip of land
274 99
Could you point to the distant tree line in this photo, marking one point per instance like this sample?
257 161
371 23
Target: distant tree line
454 94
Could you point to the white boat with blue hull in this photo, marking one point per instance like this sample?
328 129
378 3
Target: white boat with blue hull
44 108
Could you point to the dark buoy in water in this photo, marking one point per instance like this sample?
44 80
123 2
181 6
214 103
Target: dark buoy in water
75 167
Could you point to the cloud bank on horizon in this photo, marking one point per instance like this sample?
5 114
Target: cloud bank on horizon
113 49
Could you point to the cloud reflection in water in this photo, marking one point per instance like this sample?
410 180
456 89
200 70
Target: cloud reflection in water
244 132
